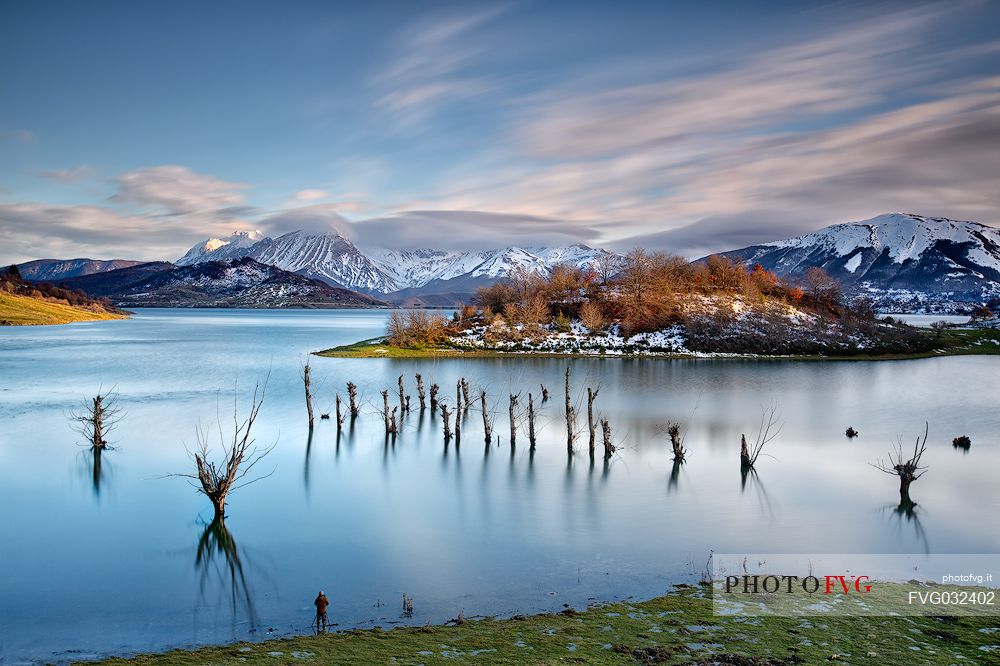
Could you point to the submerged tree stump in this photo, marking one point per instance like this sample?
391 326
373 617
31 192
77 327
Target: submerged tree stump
531 422
511 410
306 380
352 397
420 391
591 424
487 427
434 397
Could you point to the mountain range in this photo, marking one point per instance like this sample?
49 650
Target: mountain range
906 262
233 283
413 277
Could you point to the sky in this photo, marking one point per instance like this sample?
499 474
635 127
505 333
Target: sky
137 129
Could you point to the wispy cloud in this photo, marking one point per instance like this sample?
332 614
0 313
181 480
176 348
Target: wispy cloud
68 176
432 65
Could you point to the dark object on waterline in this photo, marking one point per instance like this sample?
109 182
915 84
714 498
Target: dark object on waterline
324 416
851 432
962 442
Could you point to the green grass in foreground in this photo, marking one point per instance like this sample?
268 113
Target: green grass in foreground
16 310
951 343
677 628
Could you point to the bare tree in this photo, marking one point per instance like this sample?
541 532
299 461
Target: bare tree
769 428
591 395
512 412
465 393
609 446
385 410
487 426
907 469
673 431
458 396
570 417
420 391
97 418
306 380
434 397
446 421
340 415
239 457
607 265
531 422
352 396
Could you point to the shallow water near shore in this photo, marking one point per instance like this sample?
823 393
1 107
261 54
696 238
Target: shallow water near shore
117 559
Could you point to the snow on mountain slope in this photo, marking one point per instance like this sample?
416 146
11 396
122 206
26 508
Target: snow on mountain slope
922 257
220 249
327 256
336 260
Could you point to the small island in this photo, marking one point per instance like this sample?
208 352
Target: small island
33 304
661 305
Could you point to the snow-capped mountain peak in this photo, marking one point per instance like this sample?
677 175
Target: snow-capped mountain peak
928 257
215 249
336 260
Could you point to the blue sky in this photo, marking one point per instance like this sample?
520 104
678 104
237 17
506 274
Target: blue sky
135 129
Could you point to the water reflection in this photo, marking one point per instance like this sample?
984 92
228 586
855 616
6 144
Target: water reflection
219 563
907 513
95 469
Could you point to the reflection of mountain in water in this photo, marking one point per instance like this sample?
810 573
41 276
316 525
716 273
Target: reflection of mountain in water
219 563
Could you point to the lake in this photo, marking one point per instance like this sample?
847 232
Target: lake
120 559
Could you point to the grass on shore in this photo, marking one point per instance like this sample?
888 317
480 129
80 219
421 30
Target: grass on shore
951 342
677 628
17 310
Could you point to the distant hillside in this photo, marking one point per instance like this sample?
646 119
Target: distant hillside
56 270
905 262
238 283
24 303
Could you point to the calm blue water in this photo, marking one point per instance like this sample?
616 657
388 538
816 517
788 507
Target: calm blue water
124 560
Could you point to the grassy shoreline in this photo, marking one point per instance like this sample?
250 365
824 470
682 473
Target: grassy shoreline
955 342
676 628
17 310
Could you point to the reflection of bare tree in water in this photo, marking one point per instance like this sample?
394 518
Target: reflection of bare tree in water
908 512
675 475
94 468
219 558
749 477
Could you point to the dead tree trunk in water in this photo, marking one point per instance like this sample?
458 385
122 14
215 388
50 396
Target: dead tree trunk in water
340 415
674 432
434 397
531 422
487 428
385 410
609 446
309 401
591 394
458 398
402 397
393 423
352 397
545 393
513 420
98 418
908 470
239 457
446 420
569 417
458 427
744 453
465 393
420 391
